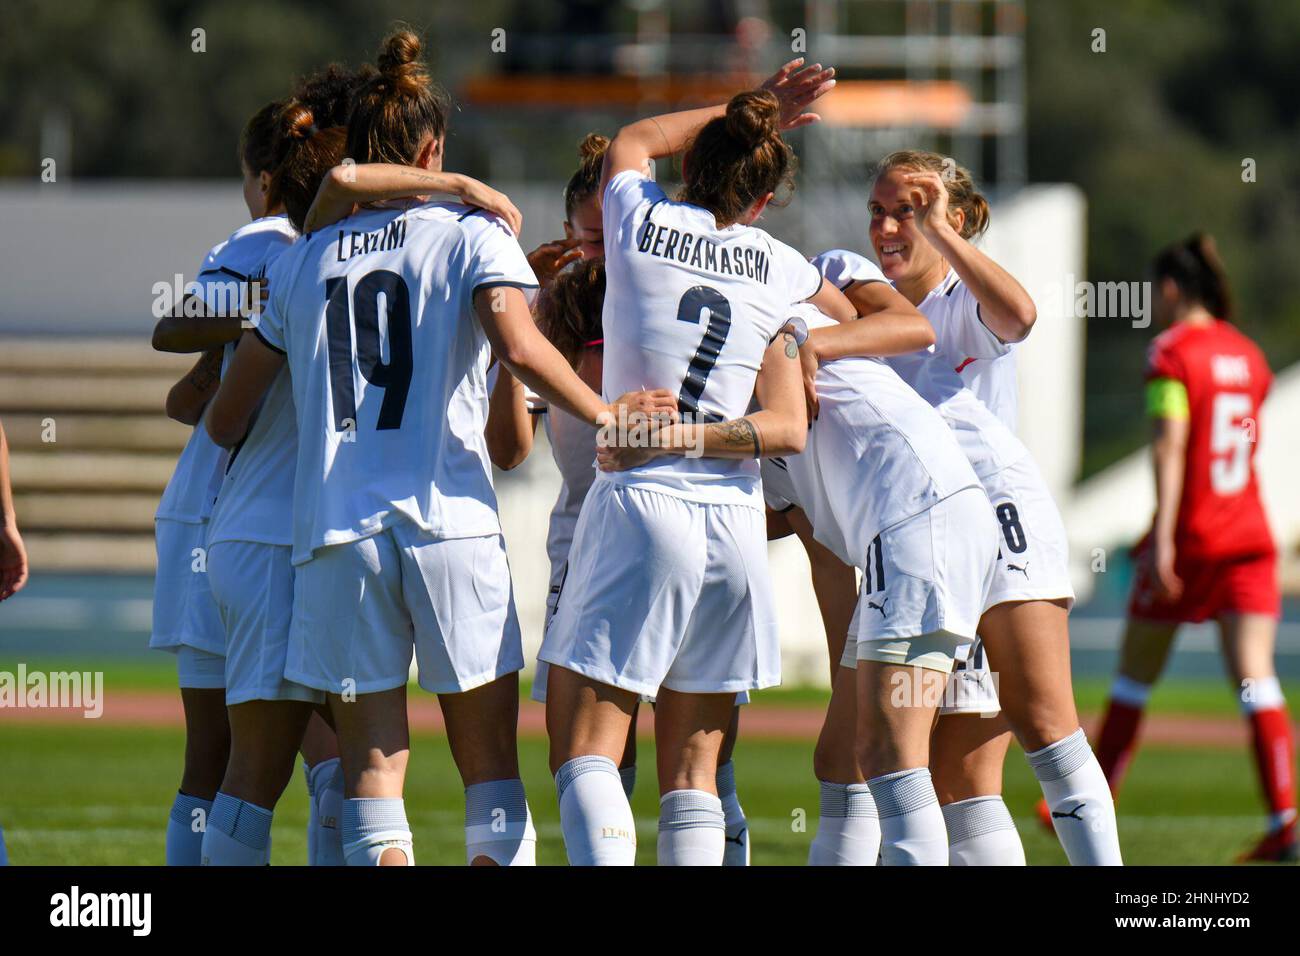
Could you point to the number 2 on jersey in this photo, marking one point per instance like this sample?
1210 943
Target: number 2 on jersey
693 304
362 311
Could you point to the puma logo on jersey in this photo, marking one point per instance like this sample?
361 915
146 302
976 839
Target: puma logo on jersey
1023 569
1072 815
879 607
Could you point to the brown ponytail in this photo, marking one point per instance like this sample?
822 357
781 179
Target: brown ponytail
569 313
738 158
309 153
586 178
962 193
398 108
259 143
1197 270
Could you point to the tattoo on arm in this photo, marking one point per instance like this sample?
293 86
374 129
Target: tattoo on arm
737 433
207 371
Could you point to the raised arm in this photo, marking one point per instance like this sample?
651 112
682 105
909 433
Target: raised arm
348 185
1005 306
13 555
796 87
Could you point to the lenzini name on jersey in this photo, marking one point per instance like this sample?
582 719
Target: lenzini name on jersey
352 243
702 253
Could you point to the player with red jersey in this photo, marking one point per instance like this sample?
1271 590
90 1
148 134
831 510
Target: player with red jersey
1209 553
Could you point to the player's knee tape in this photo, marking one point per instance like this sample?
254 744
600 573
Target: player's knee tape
982 833
498 824
372 825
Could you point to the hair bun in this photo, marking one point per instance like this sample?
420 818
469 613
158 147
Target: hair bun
753 117
592 148
399 61
297 121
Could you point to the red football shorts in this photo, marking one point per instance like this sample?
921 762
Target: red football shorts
1211 588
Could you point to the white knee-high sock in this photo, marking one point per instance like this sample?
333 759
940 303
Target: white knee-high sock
4 854
911 824
1083 812
185 830
595 817
325 833
313 824
736 848
848 830
238 833
498 824
692 829
982 833
372 825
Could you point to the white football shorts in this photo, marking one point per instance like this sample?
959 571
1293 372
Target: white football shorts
666 592
184 613
361 608
923 586
252 584
1033 550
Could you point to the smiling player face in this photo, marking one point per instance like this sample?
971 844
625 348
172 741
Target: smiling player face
902 251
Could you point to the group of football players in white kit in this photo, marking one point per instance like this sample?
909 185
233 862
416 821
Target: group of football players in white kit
334 514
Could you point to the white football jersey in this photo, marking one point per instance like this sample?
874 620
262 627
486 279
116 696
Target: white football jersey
876 455
226 268
388 364
692 308
940 373
573 447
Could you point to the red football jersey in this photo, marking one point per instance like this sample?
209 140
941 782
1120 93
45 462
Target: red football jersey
1227 378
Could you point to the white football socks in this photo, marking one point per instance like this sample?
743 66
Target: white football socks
736 848
238 833
498 824
595 817
911 824
692 829
1076 791
372 825
982 833
848 830
185 826
324 829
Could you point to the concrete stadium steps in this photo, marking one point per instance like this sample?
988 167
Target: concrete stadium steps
90 445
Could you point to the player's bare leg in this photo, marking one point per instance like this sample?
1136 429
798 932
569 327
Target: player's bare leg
588 723
207 748
893 741
264 739
967 753
848 829
689 734
738 843
374 748
482 729
1028 647
1248 642
324 772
